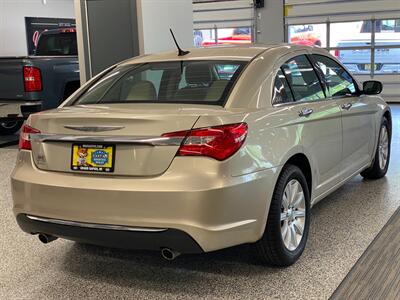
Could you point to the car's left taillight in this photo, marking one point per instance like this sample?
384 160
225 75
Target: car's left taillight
218 142
24 137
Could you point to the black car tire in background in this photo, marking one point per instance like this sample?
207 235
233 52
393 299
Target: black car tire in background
10 127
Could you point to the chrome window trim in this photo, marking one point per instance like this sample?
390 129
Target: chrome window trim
140 140
94 226
304 102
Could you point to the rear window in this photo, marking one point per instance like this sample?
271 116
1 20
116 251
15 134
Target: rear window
203 82
57 44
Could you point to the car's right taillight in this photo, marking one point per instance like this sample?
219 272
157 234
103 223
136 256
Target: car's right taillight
32 79
24 137
218 142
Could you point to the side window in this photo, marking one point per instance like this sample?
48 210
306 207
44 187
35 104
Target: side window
302 79
282 92
338 80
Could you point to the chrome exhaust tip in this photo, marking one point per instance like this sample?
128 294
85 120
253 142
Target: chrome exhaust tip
169 254
46 238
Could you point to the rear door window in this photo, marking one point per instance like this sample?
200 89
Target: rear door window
338 80
203 82
303 79
282 92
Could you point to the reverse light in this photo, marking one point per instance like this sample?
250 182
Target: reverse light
24 139
32 79
218 142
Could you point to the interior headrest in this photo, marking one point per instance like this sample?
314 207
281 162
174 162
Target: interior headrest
198 73
142 90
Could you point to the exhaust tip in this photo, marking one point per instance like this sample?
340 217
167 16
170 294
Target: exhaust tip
169 254
45 238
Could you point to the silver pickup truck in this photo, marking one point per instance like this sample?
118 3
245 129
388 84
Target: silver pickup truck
39 82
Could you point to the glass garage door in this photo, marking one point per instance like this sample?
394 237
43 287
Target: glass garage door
365 37
222 22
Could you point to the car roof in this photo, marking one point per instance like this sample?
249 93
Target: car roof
240 53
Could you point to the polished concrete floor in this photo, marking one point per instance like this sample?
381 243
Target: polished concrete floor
342 227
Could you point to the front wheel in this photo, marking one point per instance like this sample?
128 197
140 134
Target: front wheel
380 164
286 232
10 127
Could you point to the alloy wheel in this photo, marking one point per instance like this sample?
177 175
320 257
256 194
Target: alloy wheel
383 147
293 214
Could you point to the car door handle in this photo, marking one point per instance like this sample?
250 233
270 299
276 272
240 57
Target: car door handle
305 112
347 106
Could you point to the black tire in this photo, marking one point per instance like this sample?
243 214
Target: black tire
375 171
271 248
10 127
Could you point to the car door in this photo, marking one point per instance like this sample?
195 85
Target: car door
317 122
357 116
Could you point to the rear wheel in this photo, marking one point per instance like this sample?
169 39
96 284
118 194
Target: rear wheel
380 164
288 221
10 127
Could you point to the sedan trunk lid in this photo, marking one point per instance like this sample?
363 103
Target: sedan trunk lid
134 131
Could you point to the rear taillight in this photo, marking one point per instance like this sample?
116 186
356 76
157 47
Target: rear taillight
24 139
32 79
219 142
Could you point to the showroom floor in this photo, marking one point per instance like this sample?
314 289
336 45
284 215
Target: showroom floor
341 229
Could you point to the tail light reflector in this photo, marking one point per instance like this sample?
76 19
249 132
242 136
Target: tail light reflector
218 142
32 79
24 139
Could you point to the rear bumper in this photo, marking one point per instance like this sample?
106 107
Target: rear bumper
191 197
18 109
126 238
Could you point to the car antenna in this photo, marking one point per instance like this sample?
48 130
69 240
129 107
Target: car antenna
180 51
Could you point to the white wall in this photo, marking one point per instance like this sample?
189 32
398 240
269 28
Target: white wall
12 21
155 17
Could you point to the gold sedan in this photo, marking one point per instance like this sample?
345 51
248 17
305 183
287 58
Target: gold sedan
207 150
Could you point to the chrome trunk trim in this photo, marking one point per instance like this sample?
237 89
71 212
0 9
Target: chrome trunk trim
140 140
95 226
93 128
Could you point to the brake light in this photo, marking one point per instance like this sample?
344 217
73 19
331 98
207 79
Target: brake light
32 79
218 142
24 138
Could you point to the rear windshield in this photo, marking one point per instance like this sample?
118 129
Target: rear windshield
57 44
203 82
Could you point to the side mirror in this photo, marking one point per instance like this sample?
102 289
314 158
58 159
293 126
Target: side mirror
372 87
